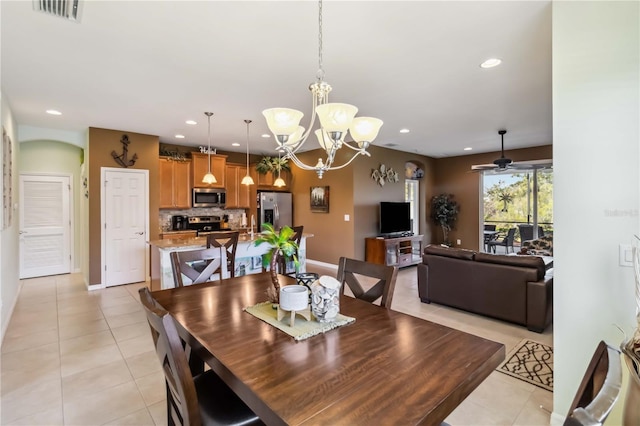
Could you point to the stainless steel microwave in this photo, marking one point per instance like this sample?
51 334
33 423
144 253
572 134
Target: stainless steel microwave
209 197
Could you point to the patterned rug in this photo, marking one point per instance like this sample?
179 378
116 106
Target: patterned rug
532 362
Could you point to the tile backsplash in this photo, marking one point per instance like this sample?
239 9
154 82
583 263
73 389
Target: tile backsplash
234 215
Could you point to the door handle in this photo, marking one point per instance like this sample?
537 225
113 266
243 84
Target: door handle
140 233
23 232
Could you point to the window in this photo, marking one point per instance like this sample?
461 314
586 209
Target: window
412 196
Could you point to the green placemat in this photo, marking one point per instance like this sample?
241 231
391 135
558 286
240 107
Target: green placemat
302 329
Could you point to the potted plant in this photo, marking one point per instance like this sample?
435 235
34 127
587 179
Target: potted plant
444 212
272 164
281 245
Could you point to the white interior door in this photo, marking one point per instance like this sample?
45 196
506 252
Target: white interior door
125 212
45 225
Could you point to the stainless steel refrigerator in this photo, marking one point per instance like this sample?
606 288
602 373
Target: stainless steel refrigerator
275 208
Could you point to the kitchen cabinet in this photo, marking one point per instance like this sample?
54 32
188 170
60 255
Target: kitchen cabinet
175 184
200 167
238 195
266 181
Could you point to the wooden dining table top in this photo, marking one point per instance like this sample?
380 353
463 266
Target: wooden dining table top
385 368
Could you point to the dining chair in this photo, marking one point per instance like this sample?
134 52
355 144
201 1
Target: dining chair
201 400
353 273
228 240
599 388
282 262
506 241
198 265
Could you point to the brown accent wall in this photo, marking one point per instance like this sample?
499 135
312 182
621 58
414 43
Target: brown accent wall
333 237
368 193
101 143
352 192
453 175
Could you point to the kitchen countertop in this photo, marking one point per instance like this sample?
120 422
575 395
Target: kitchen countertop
201 241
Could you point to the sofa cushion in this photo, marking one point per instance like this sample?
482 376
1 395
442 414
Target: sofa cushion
449 252
533 262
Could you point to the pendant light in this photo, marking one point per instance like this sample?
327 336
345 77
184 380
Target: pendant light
209 178
279 182
247 180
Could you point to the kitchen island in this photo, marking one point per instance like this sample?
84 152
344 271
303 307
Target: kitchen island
248 256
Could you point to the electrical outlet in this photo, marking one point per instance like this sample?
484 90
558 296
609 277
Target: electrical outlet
458 242
346 218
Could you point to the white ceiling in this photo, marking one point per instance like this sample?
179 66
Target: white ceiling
147 66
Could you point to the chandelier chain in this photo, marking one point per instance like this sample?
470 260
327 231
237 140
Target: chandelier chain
320 69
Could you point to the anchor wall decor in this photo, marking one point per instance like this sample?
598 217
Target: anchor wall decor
122 159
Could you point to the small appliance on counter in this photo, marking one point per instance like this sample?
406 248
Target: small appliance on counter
179 223
206 224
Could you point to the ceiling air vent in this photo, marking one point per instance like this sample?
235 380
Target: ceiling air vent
390 144
68 9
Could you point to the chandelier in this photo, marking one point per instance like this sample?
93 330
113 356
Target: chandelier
335 120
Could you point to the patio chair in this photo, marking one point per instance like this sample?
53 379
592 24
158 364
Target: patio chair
506 241
526 232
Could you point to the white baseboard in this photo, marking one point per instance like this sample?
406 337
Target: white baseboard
95 287
5 325
556 419
322 264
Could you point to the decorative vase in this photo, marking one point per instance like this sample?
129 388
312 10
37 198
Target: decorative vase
306 279
325 298
294 298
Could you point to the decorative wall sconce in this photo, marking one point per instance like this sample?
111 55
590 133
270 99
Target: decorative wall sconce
384 174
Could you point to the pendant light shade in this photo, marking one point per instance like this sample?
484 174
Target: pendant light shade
209 178
247 180
279 182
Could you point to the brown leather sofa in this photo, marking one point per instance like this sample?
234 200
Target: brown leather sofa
517 289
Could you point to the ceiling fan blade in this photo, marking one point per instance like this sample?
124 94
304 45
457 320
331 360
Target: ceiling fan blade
532 164
482 167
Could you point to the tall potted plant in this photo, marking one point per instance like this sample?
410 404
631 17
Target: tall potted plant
281 245
444 212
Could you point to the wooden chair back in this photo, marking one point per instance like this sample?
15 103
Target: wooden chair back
599 388
198 265
182 399
349 271
228 240
295 237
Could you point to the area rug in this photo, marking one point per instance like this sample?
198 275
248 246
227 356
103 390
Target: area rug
532 362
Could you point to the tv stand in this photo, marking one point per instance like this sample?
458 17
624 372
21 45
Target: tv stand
397 251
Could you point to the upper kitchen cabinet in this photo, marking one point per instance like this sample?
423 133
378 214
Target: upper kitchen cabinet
238 195
175 184
200 167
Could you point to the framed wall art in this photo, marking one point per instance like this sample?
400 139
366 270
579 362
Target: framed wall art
320 199
7 196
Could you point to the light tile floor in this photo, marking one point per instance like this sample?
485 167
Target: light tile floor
75 357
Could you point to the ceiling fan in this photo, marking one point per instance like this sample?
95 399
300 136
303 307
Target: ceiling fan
503 163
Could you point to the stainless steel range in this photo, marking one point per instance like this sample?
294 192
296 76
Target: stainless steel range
205 224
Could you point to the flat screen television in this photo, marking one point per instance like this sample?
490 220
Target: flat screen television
395 218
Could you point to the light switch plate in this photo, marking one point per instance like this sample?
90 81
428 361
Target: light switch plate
346 218
625 256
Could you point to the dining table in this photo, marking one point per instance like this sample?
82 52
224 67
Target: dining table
386 367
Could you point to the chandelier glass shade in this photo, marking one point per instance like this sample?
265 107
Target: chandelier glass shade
335 121
209 178
247 180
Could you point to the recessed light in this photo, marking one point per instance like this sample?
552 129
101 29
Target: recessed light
53 112
404 130
235 144
490 63
191 122
266 135
468 148
179 136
